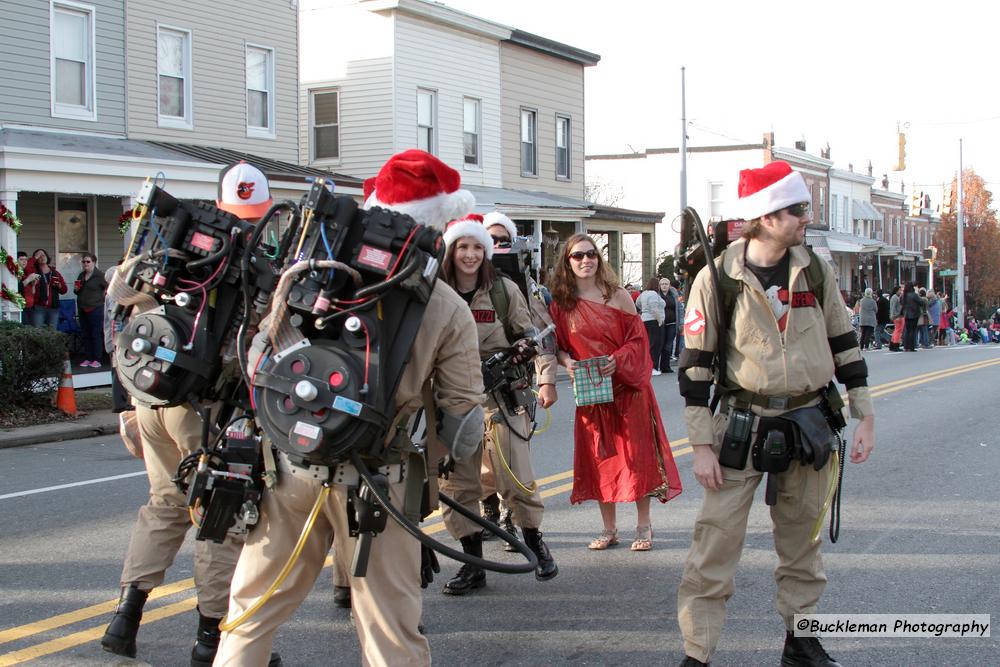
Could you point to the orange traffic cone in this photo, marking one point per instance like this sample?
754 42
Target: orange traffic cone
65 397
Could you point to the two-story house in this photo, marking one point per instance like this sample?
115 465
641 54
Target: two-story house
504 107
96 95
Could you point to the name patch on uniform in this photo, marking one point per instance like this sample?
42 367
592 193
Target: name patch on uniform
484 316
804 299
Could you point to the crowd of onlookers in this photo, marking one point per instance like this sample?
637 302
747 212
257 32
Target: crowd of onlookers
42 285
912 318
661 308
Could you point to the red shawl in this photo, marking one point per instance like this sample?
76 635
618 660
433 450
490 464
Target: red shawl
621 450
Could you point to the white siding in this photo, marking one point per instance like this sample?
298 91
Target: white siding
456 65
358 63
219 34
550 86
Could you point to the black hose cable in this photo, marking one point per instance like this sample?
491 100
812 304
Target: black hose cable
258 231
835 507
403 274
210 259
695 220
510 427
430 542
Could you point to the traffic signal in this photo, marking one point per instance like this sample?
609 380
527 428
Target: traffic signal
901 165
916 204
946 203
930 254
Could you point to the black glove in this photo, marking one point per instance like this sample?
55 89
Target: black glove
428 565
523 351
446 466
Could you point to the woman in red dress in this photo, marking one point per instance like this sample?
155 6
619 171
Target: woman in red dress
621 450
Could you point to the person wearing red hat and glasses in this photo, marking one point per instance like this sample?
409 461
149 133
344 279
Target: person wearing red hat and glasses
784 345
168 435
386 602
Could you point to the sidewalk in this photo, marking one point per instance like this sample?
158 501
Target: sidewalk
101 422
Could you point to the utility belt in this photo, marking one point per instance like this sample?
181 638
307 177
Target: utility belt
802 433
343 473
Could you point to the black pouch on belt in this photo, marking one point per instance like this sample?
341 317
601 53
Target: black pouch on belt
773 450
813 435
736 442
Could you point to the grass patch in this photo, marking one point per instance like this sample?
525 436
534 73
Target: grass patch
41 411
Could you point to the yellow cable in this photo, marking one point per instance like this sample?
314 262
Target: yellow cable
191 513
829 497
306 221
499 450
228 626
548 418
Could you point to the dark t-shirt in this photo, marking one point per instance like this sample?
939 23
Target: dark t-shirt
774 280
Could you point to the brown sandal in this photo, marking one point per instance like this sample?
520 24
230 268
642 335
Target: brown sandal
607 538
643 538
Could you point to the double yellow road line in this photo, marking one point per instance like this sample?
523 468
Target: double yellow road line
94 633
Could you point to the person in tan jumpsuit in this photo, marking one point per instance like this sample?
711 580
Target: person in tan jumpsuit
781 350
386 602
467 268
168 435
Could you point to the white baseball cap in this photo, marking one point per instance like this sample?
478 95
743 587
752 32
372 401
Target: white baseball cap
243 191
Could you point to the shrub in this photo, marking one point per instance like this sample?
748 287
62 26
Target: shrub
31 362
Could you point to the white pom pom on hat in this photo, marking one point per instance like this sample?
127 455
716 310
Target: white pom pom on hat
471 225
420 185
770 188
498 218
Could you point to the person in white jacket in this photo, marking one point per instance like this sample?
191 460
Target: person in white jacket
651 307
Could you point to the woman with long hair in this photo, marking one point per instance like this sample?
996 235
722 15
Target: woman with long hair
508 428
650 305
621 450
42 286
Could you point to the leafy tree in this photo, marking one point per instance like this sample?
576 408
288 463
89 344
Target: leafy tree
982 239
665 266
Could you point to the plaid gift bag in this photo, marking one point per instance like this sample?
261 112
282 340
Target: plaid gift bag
589 386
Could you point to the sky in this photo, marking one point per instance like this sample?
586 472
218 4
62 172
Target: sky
848 73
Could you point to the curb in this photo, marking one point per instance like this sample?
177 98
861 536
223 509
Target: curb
97 423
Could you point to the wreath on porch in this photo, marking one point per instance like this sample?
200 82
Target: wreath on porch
125 222
12 220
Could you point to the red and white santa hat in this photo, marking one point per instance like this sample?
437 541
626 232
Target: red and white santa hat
770 188
420 185
471 225
498 218
243 191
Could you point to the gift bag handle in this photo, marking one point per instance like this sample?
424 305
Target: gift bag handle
590 367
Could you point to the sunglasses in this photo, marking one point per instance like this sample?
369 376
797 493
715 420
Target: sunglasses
502 241
799 210
579 255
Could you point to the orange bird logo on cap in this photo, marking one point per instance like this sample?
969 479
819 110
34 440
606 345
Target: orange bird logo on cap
244 190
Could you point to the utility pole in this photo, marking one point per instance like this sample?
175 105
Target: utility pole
960 255
684 144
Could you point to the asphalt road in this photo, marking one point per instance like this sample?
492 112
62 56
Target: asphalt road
920 535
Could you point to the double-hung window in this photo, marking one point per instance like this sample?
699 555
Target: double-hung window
173 69
72 65
529 142
260 91
471 149
562 147
426 117
325 118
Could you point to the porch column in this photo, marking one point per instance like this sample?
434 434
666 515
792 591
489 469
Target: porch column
648 256
8 241
615 255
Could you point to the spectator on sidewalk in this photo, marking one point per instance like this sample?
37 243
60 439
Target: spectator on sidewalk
868 314
896 315
679 342
923 322
42 285
881 318
933 315
913 306
668 290
651 311
90 287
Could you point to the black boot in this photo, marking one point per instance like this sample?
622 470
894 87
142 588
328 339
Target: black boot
507 523
805 652
691 662
469 577
342 597
491 512
547 568
207 644
119 638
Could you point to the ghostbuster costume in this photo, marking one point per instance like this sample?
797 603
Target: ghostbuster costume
782 348
507 429
170 434
444 363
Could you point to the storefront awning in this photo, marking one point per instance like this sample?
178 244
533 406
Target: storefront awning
862 210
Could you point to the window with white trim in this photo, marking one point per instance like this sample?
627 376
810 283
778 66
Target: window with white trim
821 218
260 91
426 120
173 73
715 200
529 143
72 61
324 136
471 133
562 147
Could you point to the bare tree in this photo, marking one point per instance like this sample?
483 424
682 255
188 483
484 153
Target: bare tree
603 193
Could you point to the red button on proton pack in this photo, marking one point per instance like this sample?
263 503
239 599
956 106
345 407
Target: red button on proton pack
336 379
